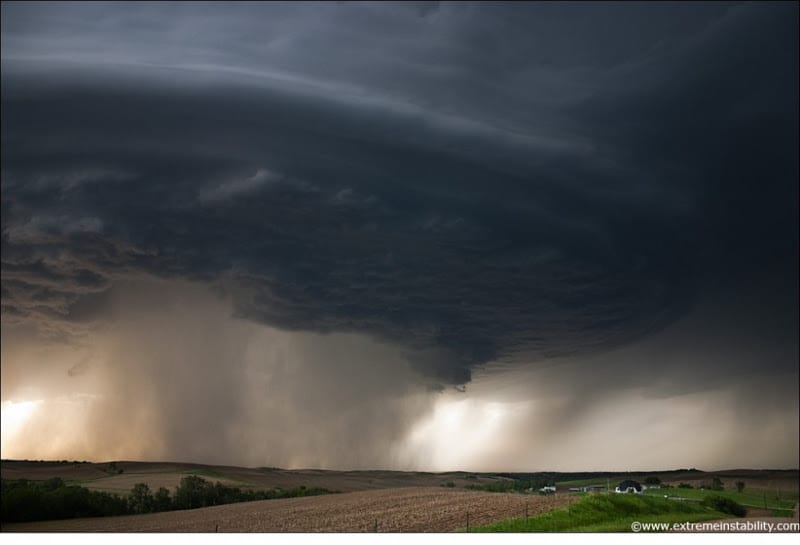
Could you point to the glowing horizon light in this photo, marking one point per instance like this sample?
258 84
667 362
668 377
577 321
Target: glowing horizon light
13 415
474 425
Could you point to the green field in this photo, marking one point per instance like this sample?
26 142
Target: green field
212 474
780 501
607 513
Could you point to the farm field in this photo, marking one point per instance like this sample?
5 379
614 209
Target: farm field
412 509
785 480
107 477
781 502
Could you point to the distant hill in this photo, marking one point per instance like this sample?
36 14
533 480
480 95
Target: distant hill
120 476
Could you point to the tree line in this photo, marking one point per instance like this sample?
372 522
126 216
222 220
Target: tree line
509 485
23 500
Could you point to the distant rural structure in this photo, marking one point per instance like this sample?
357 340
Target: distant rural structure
548 490
589 488
628 487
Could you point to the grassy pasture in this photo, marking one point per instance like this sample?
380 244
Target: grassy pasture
218 476
781 501
607 513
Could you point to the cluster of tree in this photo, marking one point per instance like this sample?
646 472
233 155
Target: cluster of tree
724 505
112 468
554 477
25 501
520 482
652 480
49 462
715 484
196 492
512 485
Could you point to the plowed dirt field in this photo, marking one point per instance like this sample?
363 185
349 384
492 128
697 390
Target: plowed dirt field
418 509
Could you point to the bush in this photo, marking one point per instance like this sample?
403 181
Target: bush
652 480
740 486
724 505
140 499
194 492
52 483
685 485
162 500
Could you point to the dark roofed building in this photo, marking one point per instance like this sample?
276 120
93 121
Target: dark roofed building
628 486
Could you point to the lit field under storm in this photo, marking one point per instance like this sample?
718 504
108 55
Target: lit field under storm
414 509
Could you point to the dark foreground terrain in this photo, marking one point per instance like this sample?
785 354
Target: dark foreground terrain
410 509
383 501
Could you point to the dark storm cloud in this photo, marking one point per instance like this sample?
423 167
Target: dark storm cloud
412 245
407 171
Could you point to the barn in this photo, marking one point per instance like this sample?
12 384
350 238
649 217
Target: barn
628 487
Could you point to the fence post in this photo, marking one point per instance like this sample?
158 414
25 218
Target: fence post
467 521
376 526
526 510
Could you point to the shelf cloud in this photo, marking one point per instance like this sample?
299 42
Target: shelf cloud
440 190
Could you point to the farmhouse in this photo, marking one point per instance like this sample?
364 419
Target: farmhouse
548 490
628 487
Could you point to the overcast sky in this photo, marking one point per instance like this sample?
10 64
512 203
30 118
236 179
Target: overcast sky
481 236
